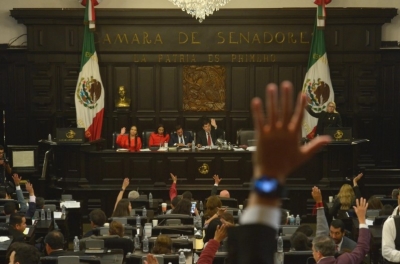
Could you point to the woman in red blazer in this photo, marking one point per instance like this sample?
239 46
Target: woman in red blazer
159 136
131 141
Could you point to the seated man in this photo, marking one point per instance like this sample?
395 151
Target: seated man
336 231
210 133
180 138
54 245
17 227
214 190
390 240
21 253
97 219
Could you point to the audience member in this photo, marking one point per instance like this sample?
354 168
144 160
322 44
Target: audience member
159 136
187 195
396 210
97 219
299 242
337 229
174 203
390 240
54 245
125 207
180 138
284 217
346 198
22 253
184 207
17 227
305 229
131 141
213 209
323 246
173 191
395 193
374 203
132 195
116 228
209 251
214 190
386 210
163 245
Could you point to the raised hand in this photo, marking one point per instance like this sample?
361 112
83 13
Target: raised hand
16 179
151 259
278 135
221 233
361 209
316 194
29 189
213 123
174 178
217 179
123 130
357 178
125 183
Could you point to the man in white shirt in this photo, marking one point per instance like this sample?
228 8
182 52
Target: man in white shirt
390 239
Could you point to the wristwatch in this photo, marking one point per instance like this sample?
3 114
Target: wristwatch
269 187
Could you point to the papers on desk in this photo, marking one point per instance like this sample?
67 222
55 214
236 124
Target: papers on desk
162 149
252 148
70 204
4 238
146 149
26 231
238 149
122 150
369 222
57 215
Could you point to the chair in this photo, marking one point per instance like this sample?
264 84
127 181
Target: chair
68 260
114 140
243 135
160 259
122 220
51 206
66 197
172 222
380 220
185 219
114 256
305 257
289 230
230 202
145 137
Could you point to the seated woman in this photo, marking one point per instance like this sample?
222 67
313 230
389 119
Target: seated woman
212 211
163 245
116 239
123 208
374 203
346 198
184 207
131 141
158 137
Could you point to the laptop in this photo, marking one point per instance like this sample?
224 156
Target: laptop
339 134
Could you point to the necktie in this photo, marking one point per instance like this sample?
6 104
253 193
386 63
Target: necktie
180 140
208 139
337 248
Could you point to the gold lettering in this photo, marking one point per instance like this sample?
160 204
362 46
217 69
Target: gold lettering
240 58
265 57
182 58
160 56
146 39
107 39
244 37
186 38
230 38
167 59
302 38
233 57
282 37
210 58
135 39
174 56
291 38
121 39
252 58
258 58
158 39
193 38
273 58
221 36
256 39
216 58
271 38
193 58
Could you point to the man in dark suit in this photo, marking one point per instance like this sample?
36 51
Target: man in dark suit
54 245
210 133
278 154
180 138
17 227
324 247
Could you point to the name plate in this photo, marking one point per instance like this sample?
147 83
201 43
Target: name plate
70 135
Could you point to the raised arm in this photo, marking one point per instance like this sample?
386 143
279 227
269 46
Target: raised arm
355 186
20 197
125 184
32 199
217 180
322 223
172 190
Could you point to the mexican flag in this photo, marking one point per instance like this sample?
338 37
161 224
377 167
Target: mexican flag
317 82
89 95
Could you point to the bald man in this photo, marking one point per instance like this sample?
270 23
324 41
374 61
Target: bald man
214 190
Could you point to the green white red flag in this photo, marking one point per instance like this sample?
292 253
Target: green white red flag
89 95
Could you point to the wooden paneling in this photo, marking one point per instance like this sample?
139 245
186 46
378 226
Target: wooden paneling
240 101
146 90
170 93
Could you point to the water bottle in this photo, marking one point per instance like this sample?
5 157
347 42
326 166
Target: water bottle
76 244
145 244
48 214
239 212
144 212
298 220
280 244
138 221
201 206
136 242
49 137
201 214
63 211
291 220
150 199
182 258
42 215
193 145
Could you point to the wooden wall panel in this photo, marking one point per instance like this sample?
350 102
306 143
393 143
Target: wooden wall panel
240 101
170 95
146 90
66 98
263 76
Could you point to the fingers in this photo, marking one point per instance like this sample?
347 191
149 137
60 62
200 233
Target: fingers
258 115
272 105
297 117
287 101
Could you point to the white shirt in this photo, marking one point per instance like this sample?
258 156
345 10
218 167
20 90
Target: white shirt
389 251
265 215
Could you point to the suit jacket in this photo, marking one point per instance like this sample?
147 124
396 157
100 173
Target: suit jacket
254 243
357 255
175 140
17 235
202 137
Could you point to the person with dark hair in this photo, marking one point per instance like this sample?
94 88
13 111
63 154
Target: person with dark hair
187 195
22 253
324 247
174 203
180 138
159 136
131 141
210 133
213 244
337 229
183 207
299 242
386 210
163 245
39 202
97 219
10 208
374 203
17 227
5 168
54 245
305 229
122 207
